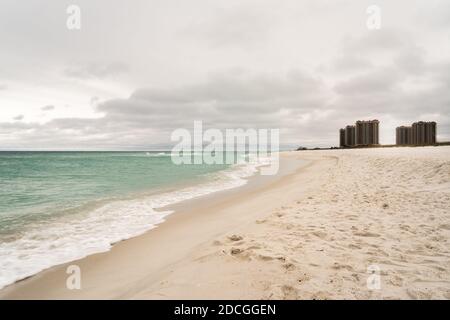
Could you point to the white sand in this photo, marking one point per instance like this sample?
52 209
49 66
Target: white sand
309 235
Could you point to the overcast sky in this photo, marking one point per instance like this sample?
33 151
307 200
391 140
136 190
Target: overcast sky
138 69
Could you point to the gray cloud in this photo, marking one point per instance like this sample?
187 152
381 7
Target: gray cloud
232 86
348 63
19 117
307 111
94 101
240 27
134 72
371 83
437 14
226 99
48 108
383 40
95 70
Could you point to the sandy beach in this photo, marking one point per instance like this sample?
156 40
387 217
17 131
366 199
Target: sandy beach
317 230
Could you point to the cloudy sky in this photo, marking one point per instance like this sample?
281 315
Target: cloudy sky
138 69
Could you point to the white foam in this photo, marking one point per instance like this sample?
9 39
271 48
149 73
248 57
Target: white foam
159 154
96 231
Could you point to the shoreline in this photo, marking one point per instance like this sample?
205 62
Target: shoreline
78 242
179 212
319 230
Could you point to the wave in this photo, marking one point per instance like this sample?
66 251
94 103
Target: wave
159 154
96 231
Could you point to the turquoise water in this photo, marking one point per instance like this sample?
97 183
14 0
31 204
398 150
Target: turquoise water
37 185
59 206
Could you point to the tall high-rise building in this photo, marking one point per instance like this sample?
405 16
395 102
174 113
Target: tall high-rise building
349 136
364 133
420 133
403 135
367 132
341 138
424 133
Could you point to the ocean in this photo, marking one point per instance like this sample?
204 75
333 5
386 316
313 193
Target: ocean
56 207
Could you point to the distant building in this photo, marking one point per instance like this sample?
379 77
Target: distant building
420 133
424 133
341 138
364 133
350 136
367 132
403 135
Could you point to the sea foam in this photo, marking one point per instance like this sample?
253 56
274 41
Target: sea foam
95 231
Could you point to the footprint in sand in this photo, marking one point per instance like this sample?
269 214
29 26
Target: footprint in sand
236 251
320 295
354 246
405 227
320 234
339 266
289 226
289 292
444 226
366 234
235 237
303 278
240 254
284 292
289 266
264 257
396 281
418 294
